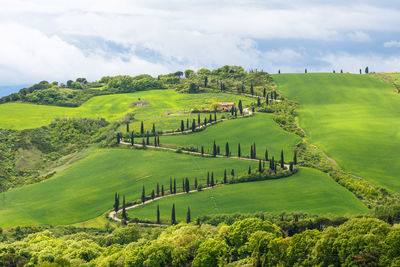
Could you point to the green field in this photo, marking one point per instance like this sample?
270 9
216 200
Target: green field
166 109
86 189
308 191
353 118
260 129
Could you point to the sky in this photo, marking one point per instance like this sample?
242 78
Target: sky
61 40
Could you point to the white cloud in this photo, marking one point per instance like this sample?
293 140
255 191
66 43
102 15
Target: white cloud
392 44
359 36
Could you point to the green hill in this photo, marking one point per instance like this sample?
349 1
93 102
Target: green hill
308 191
86 189
259 129
353 118
165 108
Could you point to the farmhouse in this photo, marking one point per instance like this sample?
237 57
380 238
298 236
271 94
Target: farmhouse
227 106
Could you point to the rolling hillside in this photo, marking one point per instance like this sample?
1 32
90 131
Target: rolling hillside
353 118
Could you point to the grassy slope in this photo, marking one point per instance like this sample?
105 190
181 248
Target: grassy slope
260 129
309 190
86 189
353 118
166 110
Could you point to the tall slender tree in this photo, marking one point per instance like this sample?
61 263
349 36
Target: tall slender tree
158 190
205 82
174 186
251 89
143 195
155 140
198 119
123 208
214 149
258 101
264 92
182 126
266 99
118 138
291 166
171 191
195 182
153 195
282 160
162 190
158 214
212 179
266 154
147 138
233 173
188 219
127 127
208 179
154 129
295 158
187 185
205 121
215 116
141 129
143 142
187 123
259 166
251 152
249 171
116 202
227 153
240 107
158 140
202 150
193 125
225 180
254 151
132 139
173 221
210 121
239 152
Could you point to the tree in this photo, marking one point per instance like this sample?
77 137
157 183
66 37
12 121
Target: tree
366 70
158 214
227 149
193 88
188 215
225 177
147 139
202 150
116 202
193 125
240 107
205 121
143 195
279 71
272 163
187 185
123 208
118 138
266 154
215 116
212 179
132 139
183 185
249 171
254 151
154 129
189 74
158 140
258 101
239 152
291 166
173 221
155 140
198 120
360 71
162 190
158 190
208 179
153 195
295 158
233 173
171 191
210 120
178 74
174 186
251 152
305 71
141 128
251 89
143 142
187 123
214 149
266 99
264 92
259 166
182 126
195 182
341 71
205 81
282 160
127 127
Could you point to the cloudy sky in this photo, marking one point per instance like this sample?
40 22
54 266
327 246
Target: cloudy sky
60 40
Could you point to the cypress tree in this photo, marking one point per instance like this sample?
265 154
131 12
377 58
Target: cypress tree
205 121
155 140
236 112
154 129
188 215
233 173
264 92
141 128
208 179
266 154
259 166
195 183
275 95
218 150
366 70
158 214
240 107
198 119
272 163
291 166
182 126
158 190
214 149
173 221
251 89
198 221
187 185
183 185
187 123
227 149
158 140
239 152
116 203
162 190
258 101
202 150
132 140
360 71
193 125
225 176
215 116
174 186
341 71
143 142
147 139
123 208
282 160
279 71
212 179
249 171
210 121
254 151
305 70
127 127
118 138
170 186
266 99
143 195
205 81
251 152
295 158
153 195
